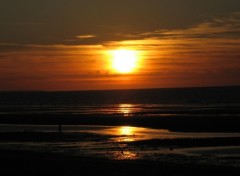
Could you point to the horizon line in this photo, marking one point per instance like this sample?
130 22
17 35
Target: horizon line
85 90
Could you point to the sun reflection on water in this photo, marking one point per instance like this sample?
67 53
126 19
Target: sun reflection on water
126 130
126 133
125 109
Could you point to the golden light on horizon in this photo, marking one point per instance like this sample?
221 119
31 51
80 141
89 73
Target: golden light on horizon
124 61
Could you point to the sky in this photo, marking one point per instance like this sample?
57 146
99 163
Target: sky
67 44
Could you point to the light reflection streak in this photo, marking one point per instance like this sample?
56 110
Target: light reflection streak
126 130
126 134
125 109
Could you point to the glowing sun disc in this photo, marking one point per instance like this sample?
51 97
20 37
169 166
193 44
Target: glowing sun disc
124 61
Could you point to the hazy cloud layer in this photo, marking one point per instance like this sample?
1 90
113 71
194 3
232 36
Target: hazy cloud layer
60 44
56 21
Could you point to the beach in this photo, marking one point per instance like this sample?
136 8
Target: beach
144 132
120 88
37 159
82 152
29 163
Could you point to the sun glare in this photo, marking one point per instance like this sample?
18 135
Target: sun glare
124 61
126 130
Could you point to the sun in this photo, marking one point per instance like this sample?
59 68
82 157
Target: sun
124 61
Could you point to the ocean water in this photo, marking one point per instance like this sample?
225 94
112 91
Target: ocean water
174 125
155 108
146 101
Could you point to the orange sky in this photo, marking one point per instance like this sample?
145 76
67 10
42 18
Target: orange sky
205 53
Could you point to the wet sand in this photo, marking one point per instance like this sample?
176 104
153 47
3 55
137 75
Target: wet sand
178 122
30 163
42 162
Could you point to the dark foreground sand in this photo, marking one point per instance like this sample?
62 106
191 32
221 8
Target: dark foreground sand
30 163
21 162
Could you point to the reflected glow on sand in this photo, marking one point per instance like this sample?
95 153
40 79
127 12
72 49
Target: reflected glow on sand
130 134
120 143
127 133
125 155
130 131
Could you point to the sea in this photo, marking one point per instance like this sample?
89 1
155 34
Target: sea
151 124
126 102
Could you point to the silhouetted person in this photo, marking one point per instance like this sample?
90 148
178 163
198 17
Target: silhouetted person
60 128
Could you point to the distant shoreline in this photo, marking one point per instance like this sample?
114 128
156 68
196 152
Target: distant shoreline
133 89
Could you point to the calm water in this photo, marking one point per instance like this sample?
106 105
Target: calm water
126 102
155 108
187 109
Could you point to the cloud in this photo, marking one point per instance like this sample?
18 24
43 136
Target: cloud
18 47
208 49
205 53
218 32
86 36
215 28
